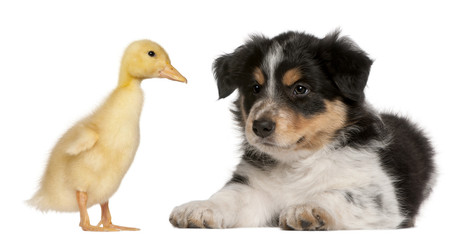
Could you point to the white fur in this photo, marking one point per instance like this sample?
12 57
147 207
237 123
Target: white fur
321 180
271 61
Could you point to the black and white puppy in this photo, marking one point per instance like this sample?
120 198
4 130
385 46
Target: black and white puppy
315 155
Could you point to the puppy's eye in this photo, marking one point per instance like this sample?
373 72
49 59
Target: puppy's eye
256 88
151 54
300 90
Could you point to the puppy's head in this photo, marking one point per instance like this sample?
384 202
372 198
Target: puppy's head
295 90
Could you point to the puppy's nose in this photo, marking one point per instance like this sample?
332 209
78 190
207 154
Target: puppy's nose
263 127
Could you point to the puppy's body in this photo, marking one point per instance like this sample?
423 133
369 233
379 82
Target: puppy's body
316 156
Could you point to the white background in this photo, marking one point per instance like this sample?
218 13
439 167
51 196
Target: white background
58 60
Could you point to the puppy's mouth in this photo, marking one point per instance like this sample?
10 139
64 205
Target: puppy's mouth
301 140
272 144
268 143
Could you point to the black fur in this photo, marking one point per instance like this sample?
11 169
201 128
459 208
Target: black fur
349 197
409 159
334 68
346 64
331 58
240 179
235 69
258 159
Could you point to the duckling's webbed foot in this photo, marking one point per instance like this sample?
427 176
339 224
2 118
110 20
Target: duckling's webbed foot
88 227
106 220
85 222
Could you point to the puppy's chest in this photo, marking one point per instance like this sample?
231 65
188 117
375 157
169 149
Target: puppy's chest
336 171
305 180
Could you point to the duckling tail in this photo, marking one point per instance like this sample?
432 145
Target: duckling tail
39 202
45 201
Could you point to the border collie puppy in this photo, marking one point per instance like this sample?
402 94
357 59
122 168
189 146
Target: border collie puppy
316 156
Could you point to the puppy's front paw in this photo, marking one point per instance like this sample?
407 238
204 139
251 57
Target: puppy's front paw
305 217
197 214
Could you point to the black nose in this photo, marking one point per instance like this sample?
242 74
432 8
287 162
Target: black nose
263 127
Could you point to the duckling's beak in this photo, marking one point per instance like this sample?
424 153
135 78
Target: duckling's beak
170 72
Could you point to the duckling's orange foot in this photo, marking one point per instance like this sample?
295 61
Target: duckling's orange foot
106 220
123 228
117 228
88 227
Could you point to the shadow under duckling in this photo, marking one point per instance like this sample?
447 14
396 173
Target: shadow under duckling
88 163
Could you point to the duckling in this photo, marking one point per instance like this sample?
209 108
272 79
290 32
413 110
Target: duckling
88 163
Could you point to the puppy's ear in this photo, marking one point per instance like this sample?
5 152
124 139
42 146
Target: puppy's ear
347 65
222 68
235 69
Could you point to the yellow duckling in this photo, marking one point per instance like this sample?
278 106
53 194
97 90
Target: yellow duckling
89 161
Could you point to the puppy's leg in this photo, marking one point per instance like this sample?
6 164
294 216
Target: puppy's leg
235 205
361 208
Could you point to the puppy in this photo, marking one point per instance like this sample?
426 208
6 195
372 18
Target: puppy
316 156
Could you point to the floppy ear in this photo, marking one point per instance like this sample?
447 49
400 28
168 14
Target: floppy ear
232 70
221 68
347 65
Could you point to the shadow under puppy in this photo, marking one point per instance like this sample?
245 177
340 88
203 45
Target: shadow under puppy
315 155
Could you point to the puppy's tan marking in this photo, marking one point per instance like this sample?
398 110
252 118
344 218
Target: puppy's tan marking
320 129
291 76
310 133
259 76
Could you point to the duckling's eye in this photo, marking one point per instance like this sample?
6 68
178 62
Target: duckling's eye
151 54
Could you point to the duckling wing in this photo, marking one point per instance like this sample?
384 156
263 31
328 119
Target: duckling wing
81 138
